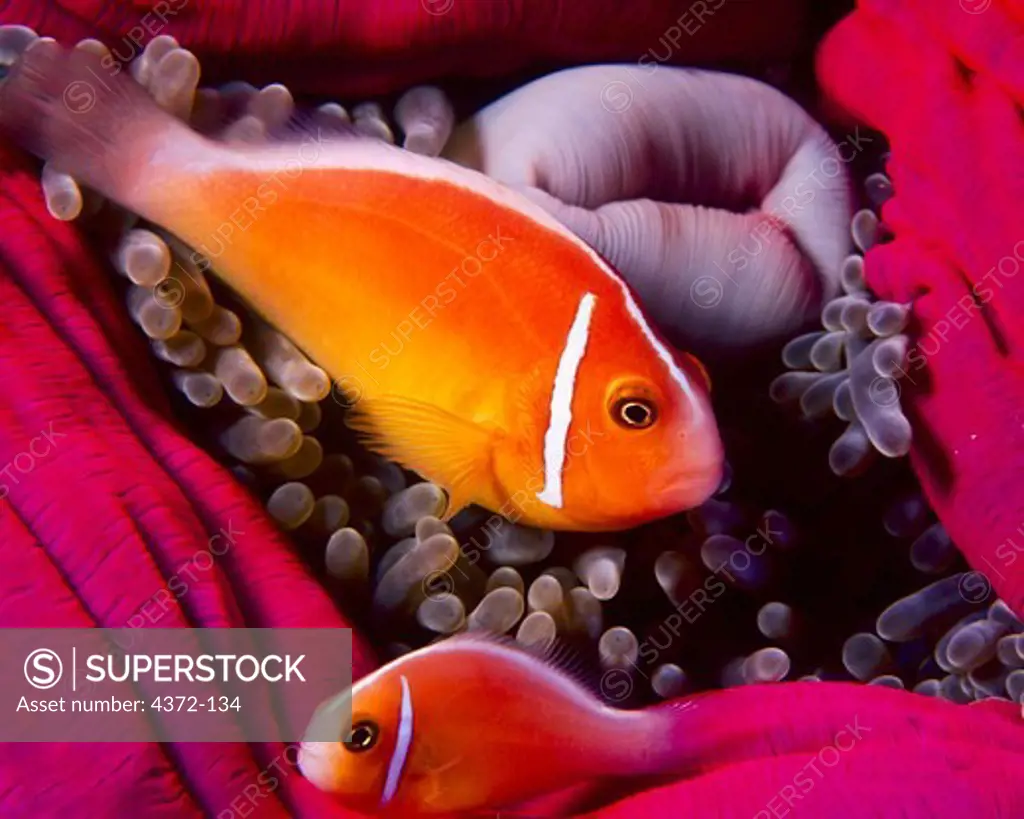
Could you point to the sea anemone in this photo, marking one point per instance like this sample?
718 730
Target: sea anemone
789 572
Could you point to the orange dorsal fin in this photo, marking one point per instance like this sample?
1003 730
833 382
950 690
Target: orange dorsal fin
452 452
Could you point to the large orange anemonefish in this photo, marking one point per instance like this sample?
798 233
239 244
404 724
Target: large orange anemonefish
479 342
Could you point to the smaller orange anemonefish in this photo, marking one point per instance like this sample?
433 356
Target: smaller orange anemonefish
473 723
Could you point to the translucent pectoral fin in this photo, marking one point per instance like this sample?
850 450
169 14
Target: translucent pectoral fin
442 447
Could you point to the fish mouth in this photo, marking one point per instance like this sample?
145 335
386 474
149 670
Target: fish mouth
709 474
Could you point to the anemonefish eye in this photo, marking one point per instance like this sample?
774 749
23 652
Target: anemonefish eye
635 413
362 737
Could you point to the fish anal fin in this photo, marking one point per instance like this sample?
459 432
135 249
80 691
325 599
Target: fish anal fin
453 452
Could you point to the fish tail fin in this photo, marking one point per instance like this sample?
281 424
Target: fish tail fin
92 122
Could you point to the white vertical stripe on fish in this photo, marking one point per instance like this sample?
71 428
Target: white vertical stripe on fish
556 436
402 744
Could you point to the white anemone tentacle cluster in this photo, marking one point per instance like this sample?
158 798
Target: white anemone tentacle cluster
851 367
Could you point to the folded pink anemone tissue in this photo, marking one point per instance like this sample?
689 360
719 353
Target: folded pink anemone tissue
106 499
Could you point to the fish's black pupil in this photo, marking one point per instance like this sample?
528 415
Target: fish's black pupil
636 413
363 736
